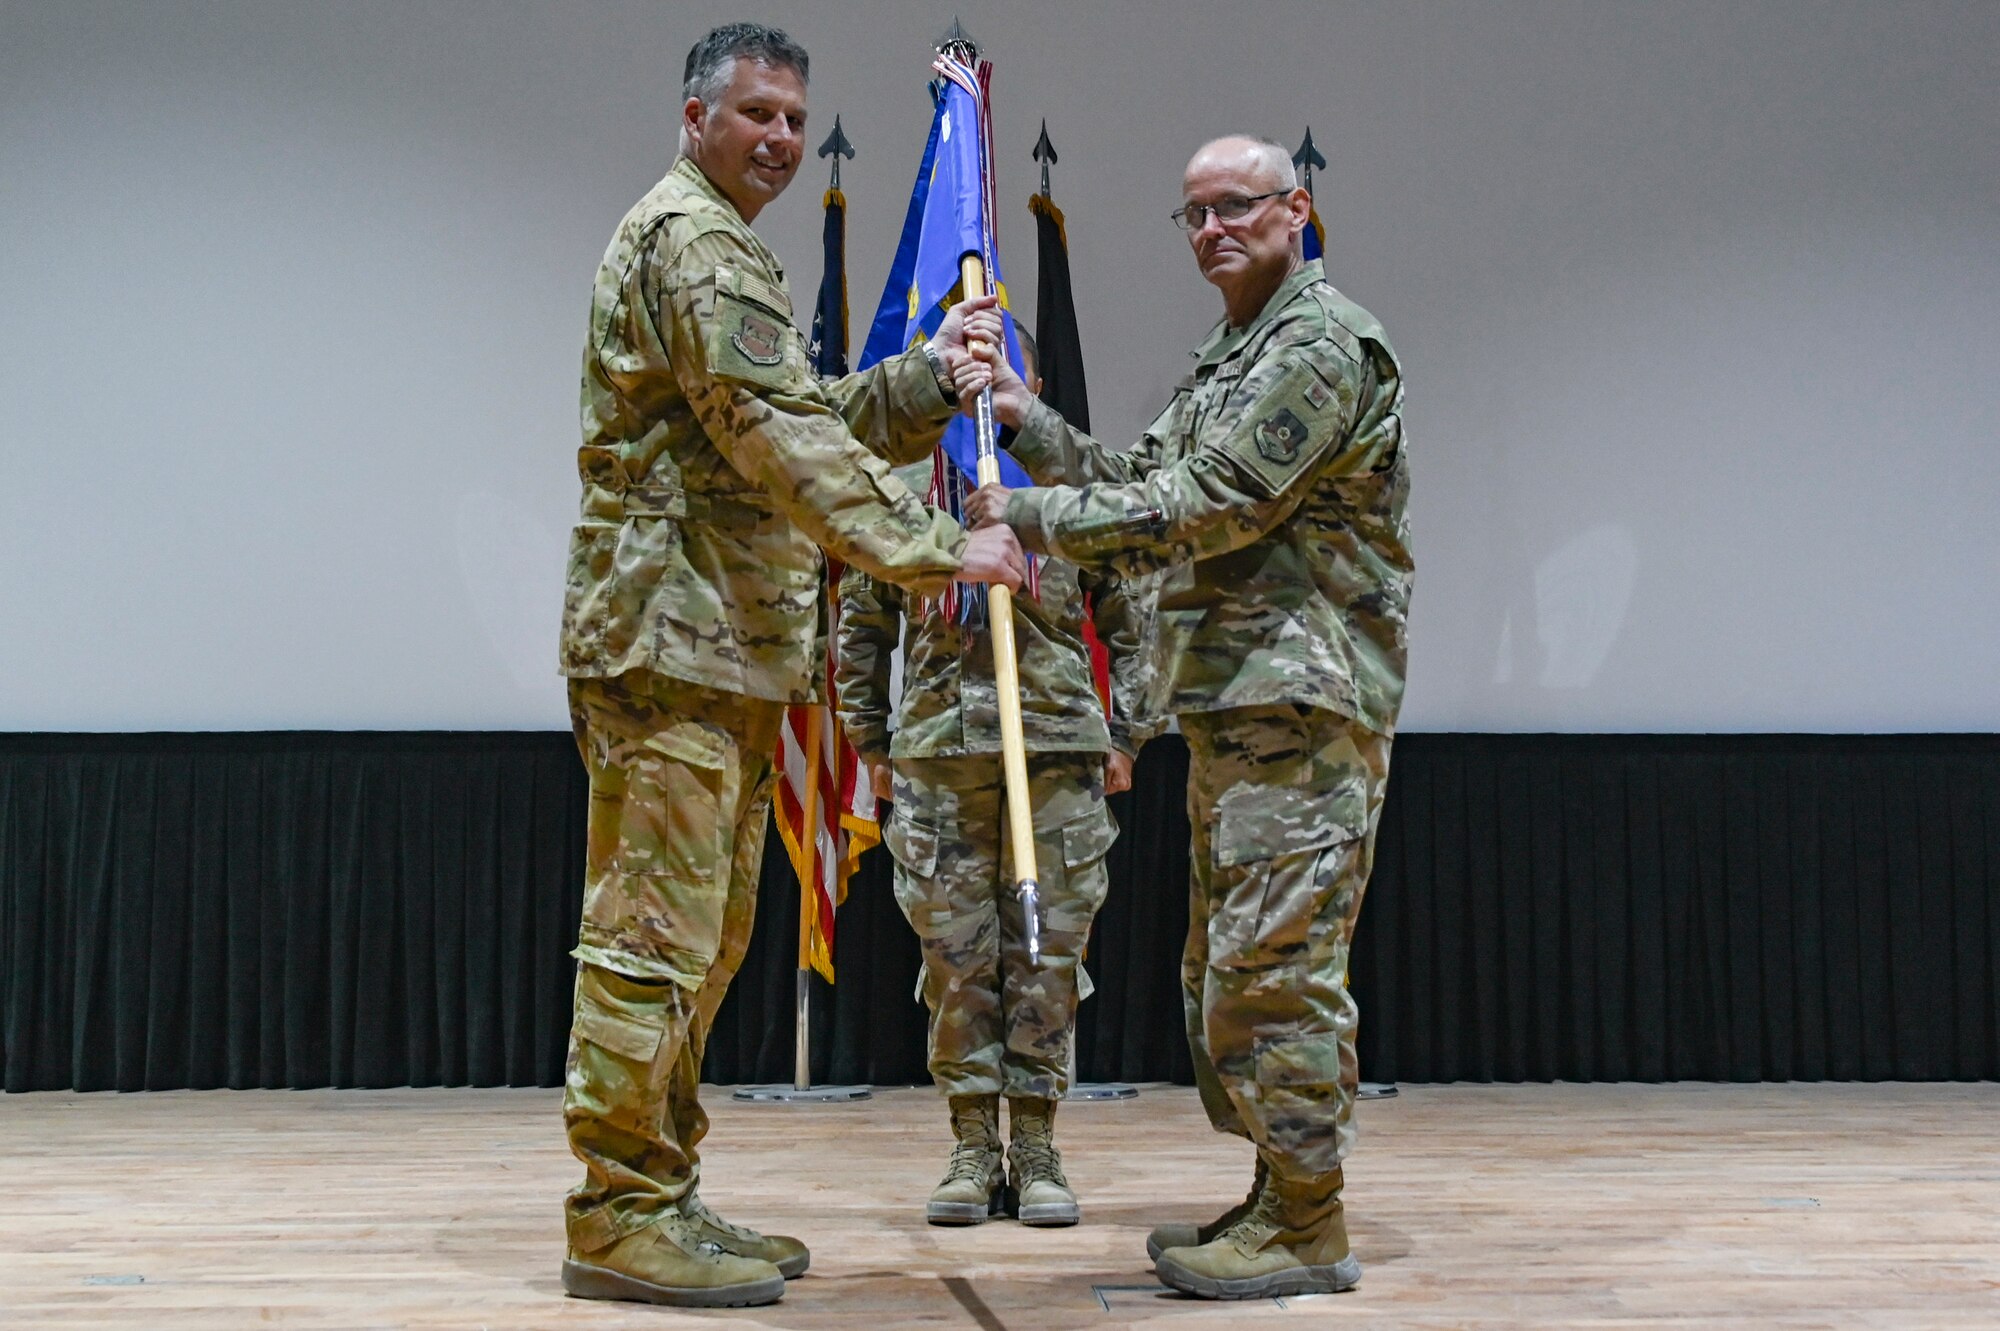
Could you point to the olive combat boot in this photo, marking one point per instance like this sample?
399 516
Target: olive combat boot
1038 1194
788 1255
1183 1234
974 1184
670 1262
1293 1241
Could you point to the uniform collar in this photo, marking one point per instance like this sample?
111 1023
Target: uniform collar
696 179
685 168
1224 341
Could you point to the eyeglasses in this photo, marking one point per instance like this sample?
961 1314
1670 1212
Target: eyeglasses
1229 208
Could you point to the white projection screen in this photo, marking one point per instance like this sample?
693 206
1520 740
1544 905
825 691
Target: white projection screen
1697 300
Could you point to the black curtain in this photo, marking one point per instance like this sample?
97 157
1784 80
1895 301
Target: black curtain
309 909
287 909
1716 907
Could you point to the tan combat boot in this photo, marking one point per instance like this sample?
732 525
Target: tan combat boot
1294 1241
1039 1193
789 1255
1183 1234
974 1185
669 1262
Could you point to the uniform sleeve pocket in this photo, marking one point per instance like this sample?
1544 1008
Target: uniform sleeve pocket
752 343
1285 431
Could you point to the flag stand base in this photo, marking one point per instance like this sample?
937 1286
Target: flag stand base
1376 1090
801 1091
801 1095
1103 1090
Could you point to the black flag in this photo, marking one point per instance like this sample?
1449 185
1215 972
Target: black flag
829 329
1062 357
1055 317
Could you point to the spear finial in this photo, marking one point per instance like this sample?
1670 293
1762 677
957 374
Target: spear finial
1306 158
958 43
837 147
1045 153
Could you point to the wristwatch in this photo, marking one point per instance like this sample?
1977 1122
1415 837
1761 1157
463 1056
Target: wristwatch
944 383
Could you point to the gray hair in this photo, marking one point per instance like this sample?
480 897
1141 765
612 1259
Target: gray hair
711 63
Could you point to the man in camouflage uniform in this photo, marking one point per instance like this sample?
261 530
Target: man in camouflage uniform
1273 490
714 465
998 1025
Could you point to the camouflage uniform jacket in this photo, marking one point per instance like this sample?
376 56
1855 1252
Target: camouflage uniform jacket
950 704
715 465
1272 490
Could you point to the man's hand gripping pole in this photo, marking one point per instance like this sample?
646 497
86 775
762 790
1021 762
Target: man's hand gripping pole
1007 675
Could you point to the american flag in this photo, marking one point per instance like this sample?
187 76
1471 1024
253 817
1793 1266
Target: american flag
825 813
825 808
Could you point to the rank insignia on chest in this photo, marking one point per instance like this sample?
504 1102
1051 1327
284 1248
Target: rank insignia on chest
1281 435
759 339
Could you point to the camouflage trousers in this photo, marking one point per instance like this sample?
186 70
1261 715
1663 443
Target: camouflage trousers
680 794
1283 801
997 1024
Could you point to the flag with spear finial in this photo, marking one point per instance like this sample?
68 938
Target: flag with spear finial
953 253
1305 159
825 808
828 345
1060 346
950 214
1056 336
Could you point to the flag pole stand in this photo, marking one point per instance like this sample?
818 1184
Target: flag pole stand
802 1091
1377 1090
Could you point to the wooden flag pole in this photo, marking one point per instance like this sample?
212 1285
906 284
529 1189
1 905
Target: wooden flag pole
1007 677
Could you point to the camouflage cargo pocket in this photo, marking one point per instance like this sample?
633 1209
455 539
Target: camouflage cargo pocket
615 1041
618 1015
1302 1060
1274 850
911 844
914 848
1086 840
1254 822
670 820
655 902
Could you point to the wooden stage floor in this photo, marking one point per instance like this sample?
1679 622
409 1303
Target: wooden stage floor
1764 1206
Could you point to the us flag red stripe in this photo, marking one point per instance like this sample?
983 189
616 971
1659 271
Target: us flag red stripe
825 811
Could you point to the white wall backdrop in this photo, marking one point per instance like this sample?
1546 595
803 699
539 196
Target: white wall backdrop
1698 304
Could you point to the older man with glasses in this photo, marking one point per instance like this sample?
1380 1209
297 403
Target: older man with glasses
1272 490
